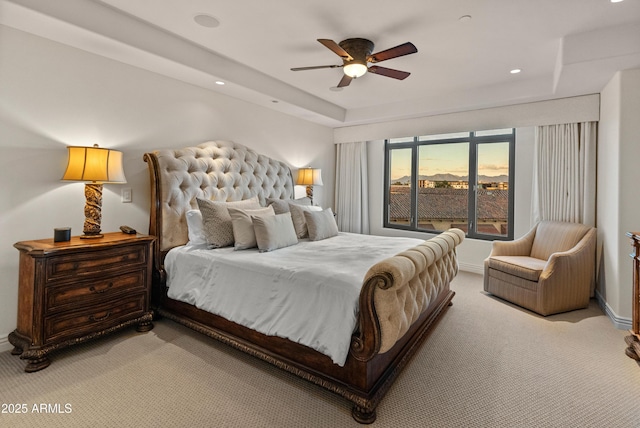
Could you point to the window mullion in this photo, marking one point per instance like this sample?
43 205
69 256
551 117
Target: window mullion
472 215
414 186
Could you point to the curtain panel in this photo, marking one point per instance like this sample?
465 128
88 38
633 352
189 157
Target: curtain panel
564 173
352 190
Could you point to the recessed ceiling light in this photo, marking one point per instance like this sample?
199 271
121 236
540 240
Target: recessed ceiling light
464 18
219 82
515 71
616 1
206 20
275 101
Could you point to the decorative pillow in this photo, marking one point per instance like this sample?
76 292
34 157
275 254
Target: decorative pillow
195 227
216 220
244 235
299 222
282 205
273 232
321 224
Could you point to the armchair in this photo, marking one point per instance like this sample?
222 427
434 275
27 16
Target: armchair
549 270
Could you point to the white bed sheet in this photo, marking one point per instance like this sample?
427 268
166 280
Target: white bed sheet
307 293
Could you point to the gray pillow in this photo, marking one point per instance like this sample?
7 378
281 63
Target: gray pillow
244 235
321 224
216 220
273 232
282 205
299 222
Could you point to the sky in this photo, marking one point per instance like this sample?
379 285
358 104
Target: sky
493 160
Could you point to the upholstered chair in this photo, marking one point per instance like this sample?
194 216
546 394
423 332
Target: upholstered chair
549 270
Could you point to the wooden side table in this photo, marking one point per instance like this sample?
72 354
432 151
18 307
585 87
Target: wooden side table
633 340
71 292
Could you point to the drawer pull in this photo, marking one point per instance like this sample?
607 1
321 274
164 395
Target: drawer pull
102 290
93 318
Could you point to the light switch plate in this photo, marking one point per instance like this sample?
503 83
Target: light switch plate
126 195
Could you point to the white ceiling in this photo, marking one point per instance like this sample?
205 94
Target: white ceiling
564 48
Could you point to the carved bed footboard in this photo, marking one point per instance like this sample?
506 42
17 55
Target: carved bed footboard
398 290
401 299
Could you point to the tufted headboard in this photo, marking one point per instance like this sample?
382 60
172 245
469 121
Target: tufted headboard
216 170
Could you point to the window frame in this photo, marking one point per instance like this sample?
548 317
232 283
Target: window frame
473 141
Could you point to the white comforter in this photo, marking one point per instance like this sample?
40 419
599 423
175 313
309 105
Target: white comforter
307 293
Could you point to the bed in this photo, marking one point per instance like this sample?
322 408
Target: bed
402 292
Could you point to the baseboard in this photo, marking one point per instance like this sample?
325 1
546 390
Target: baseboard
468 267
4 343
620 323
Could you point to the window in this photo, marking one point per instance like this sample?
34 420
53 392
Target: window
463 180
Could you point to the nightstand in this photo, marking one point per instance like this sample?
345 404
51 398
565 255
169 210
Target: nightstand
71 292
633 339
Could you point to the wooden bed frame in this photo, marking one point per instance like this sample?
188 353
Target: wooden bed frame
367 374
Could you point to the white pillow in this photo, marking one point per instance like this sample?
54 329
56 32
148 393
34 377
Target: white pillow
244 234
195 228
299 222
321 225
216 220
274 232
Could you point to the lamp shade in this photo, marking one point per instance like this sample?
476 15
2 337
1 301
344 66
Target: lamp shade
309 177
94 164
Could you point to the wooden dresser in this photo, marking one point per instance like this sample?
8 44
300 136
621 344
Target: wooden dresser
70 292
633 340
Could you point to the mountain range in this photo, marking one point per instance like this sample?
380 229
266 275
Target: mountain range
453 177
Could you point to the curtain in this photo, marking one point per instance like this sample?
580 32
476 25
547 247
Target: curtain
564 173
352 198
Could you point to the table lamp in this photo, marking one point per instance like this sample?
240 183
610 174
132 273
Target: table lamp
94 166
309 177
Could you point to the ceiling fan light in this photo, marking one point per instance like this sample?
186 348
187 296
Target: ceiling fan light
355 69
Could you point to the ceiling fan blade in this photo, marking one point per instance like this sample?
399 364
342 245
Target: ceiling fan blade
345 81
336 49
400 50
389 72
315 67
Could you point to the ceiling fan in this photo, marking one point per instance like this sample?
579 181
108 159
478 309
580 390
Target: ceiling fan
356 56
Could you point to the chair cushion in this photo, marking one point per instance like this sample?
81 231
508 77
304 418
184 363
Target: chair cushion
528 268
555 236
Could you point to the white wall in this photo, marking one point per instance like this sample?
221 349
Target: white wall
52 95
618 209
607 218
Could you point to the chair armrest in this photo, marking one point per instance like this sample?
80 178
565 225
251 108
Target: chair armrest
583 254
568 278
517 247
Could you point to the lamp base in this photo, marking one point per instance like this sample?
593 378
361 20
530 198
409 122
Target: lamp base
92 210
99 235
310 193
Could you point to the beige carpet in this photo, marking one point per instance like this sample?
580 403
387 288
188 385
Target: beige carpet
487 364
